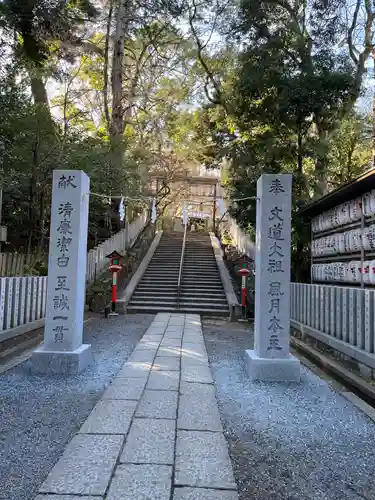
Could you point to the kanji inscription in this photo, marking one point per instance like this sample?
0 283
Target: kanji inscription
62 351
273 267
271 359
69 189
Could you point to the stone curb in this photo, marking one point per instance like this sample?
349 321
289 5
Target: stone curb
126 296
234 306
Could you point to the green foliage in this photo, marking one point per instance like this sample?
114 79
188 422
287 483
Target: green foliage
38 22
288 107
275 95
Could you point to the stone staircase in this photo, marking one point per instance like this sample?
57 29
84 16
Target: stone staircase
201 289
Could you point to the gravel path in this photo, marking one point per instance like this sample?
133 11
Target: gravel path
40 414
288 441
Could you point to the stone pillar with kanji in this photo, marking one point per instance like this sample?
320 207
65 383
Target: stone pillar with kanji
63 350
271 359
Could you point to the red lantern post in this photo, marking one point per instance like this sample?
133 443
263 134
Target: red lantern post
114 267
244 273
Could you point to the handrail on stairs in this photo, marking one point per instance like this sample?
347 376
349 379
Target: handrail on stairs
181 267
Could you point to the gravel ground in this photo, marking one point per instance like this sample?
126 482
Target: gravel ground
40 414
288 441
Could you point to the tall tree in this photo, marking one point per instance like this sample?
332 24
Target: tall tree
38 23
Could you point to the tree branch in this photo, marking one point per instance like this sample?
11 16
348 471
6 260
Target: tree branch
350 41
209 73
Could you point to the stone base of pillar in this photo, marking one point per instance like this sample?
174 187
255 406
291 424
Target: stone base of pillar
61 362
268 369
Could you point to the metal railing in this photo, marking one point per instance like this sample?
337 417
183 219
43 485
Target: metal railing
342 317
181 267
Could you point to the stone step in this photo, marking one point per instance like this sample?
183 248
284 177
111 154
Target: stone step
149 290
220 300
171 243
199 304
198 265
201 281
174 259
161 272
197 270
157 285
203 294
198 260
214 292
161 265
152 272
185 276
203 274
172 263
186 309
163 256
154 302
166 264
161 277
203 286
168 249
159 282
199 252
155 293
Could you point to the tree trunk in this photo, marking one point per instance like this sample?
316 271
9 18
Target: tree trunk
321 186
122 23
321 177
39 92
42 225
116 129
38 89
106 65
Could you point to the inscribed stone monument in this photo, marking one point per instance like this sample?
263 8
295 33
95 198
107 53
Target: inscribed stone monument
271 358
63 351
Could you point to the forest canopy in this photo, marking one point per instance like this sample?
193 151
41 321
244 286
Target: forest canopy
124 88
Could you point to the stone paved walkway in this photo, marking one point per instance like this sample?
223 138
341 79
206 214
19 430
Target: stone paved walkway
156 433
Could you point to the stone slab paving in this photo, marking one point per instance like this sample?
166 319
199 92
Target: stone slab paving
158 404
150 441
142 356
122 388
85 467
197 408
110 417
166 363
202 460
141 482
66 497
203 494
135 370
163 380
156 434
195 373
